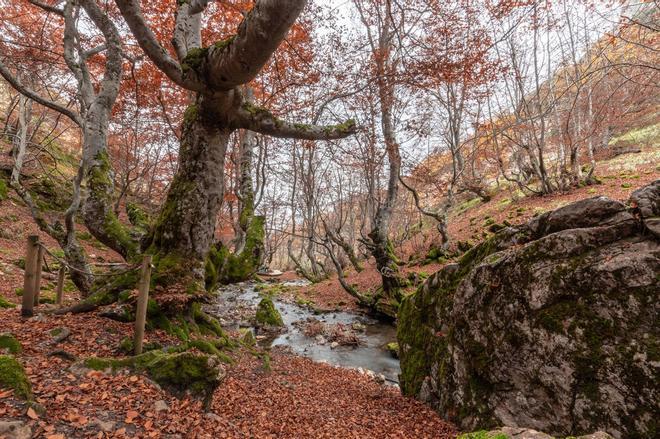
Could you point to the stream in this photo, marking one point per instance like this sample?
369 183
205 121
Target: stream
236 306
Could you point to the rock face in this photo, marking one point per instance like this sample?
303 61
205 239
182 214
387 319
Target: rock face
524 433
552 325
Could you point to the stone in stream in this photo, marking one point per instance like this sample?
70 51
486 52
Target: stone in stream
551 325
267 314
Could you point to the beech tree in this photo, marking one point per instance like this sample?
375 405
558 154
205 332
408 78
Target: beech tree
95 101
214 74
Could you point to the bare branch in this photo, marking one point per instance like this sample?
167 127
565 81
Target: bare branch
14 82
132 13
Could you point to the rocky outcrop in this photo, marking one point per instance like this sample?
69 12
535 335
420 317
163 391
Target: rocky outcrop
524 433
551 325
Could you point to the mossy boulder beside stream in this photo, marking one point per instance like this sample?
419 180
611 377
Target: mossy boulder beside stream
551 325
267 314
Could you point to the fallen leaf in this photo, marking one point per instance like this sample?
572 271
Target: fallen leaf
32 414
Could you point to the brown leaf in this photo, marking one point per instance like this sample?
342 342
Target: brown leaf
32 414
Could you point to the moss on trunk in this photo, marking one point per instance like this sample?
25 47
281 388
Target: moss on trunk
100 219
224 267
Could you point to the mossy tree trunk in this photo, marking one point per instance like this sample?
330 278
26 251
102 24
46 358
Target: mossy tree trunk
185 229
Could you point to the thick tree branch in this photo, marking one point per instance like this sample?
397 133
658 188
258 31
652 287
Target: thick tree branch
130 10
48 8
262 121
14 82
259 35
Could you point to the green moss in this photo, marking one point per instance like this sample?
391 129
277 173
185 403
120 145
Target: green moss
393 349
483 434
174 370
9 344
247 337
5 304
13 376
223 267
85 236
421 342
191 113
267 314
222 44
4 190
100 184
257 111
137 217
194 59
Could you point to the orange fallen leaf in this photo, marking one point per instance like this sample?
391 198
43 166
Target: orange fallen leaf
130 416
32 414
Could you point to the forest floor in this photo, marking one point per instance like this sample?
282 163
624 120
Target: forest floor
294 397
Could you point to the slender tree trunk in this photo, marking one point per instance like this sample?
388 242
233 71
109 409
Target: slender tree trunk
74 254
246 189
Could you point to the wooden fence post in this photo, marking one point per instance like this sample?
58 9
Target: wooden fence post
143 298
60 286
28 279
37 275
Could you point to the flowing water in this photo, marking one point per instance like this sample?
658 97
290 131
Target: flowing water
237 302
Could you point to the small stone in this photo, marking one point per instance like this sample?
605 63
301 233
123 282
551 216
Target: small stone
212 416
161 406
357 326
15 430
106 426
320 339
333 345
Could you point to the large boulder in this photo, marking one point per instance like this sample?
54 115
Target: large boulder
552 325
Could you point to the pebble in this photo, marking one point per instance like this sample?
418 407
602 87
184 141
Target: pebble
161 406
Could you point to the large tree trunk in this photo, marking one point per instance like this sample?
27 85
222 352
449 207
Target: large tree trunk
184 232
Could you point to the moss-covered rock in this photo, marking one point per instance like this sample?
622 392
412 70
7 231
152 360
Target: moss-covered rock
13 376
267 314
247 337
177 371
393 349
9 344
551 325
5 304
